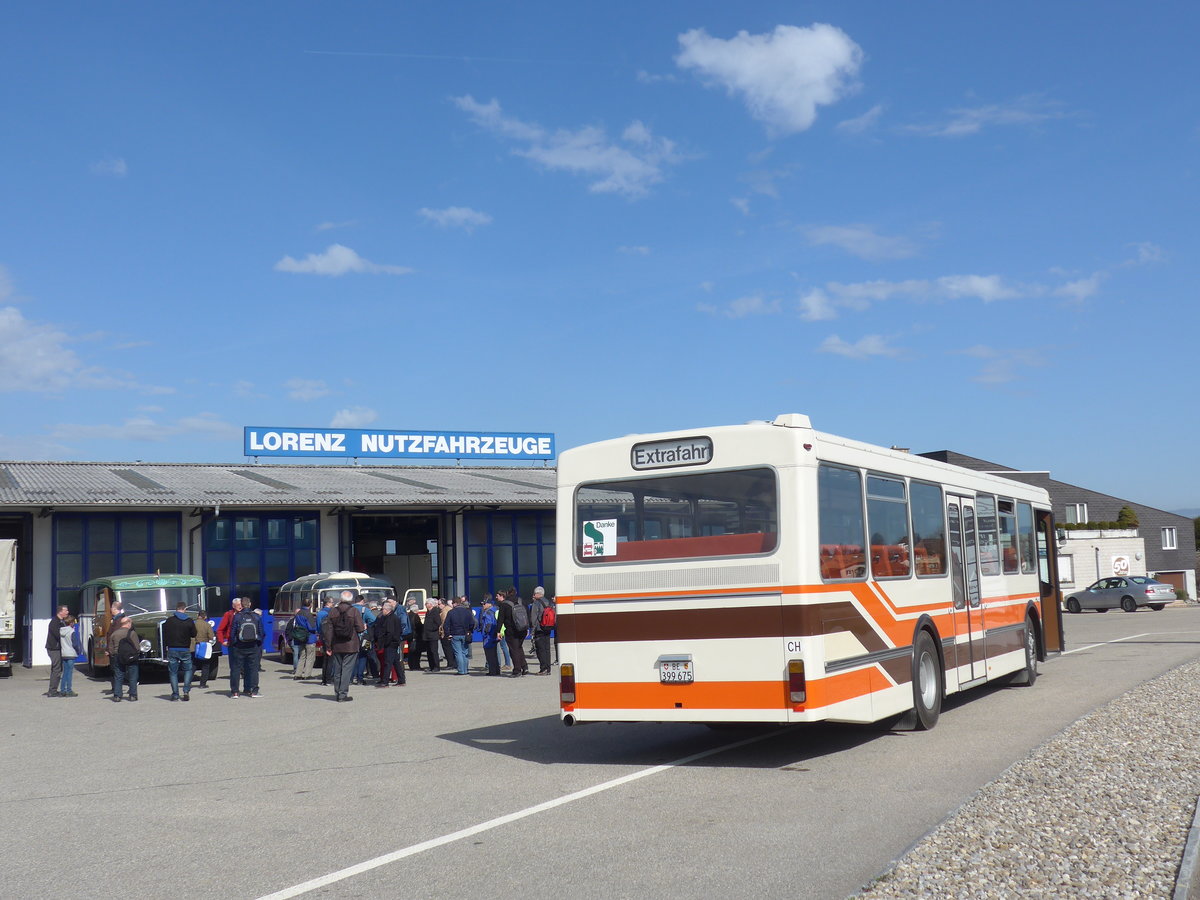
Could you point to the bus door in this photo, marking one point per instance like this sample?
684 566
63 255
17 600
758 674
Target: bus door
964 579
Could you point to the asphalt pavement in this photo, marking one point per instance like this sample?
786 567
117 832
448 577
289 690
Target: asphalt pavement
465 786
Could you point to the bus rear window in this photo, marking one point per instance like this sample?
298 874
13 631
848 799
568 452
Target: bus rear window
702 514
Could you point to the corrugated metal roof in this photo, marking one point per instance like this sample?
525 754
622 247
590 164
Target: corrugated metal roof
203 484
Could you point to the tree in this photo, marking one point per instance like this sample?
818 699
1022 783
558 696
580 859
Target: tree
1127 518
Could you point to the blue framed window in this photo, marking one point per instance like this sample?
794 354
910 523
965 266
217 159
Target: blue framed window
94 545
509 548
254 554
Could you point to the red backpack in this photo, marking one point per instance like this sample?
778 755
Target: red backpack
548 617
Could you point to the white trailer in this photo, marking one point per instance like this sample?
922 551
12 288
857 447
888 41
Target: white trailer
8 604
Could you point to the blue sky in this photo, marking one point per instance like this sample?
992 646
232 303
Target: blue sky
933 225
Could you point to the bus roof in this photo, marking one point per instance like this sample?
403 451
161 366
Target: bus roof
141 582
322 581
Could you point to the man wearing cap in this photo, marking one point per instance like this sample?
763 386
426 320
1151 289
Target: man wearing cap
178 636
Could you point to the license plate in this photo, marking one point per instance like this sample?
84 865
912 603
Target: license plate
675 672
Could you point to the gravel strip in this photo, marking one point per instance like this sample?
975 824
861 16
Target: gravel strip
1101 810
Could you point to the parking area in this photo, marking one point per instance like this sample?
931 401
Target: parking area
454 786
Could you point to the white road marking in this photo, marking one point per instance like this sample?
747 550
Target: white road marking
367 865
1127 637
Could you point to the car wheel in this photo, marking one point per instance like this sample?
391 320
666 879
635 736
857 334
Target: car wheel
1027 676
1073 605
1102 609
1157 607
927 684
1128 604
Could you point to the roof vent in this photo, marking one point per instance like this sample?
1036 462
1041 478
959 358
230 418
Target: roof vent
792 420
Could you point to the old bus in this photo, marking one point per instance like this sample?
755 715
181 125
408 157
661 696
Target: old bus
771 573
148 600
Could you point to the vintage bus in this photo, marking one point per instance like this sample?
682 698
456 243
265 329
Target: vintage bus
311 591
148 600
769 573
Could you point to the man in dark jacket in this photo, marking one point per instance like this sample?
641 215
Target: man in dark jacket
432 632
245 648
541 633
458 626
388 636
515 622
178 633
416 637
342 633
54 650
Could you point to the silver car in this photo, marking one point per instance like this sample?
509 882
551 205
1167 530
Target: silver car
1128 592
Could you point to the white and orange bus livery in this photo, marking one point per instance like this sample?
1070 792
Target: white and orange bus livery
771 573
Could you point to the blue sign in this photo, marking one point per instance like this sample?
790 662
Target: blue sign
493 445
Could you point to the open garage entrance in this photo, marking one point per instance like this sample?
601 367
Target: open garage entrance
408 549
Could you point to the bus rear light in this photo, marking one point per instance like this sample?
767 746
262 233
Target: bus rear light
797 692
566 683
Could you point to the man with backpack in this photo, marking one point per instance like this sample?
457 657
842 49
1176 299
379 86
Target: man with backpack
543 617
304 643
124 649
342 633
514 619
245 648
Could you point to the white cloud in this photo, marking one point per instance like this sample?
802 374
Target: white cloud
861 241
628 168
1081 289
336 260
640 250
114 168
1003 366
1031 109
987 288
330 226
6 285
740 308
35 357
742 203
860 124
864 348
782 76
1146 253
353 417
861 294
456 217
306 389
815 306
146 429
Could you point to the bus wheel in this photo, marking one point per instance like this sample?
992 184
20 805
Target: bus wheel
1029 674
927 683
1073 605
1128 604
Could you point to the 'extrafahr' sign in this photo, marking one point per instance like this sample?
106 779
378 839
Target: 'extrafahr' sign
494 445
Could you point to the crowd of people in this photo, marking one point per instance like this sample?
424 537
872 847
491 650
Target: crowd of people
356 639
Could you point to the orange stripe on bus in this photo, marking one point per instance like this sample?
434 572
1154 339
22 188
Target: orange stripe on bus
725 694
